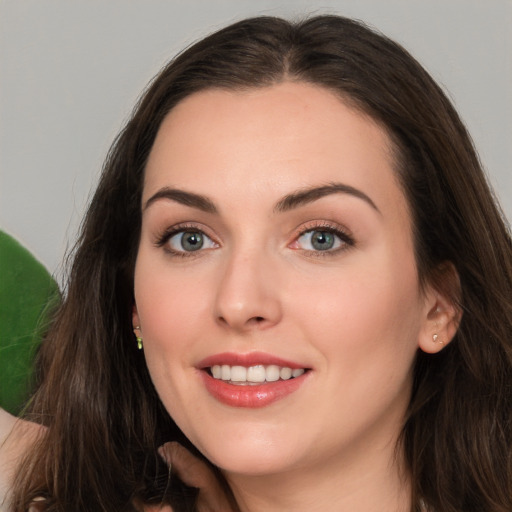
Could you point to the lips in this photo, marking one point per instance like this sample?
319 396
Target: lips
251 380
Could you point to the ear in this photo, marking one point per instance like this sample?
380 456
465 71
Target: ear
442 311
135 318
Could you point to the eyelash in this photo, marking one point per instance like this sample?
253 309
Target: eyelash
163 239
346 240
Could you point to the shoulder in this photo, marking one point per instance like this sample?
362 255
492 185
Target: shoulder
16 436
7 458
7 422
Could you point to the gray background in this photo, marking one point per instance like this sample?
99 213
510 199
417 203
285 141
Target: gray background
70 72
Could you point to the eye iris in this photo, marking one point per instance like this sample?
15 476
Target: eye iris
322 240
192 241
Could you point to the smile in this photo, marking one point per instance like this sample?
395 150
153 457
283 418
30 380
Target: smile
251 380
257 374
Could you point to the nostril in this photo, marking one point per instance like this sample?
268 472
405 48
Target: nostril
256 320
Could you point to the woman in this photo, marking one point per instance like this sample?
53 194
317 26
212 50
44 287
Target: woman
294 267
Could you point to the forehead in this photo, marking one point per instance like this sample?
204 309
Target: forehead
289 135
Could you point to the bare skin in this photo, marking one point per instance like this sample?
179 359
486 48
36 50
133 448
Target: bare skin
232 276
195 473
263 198
16 436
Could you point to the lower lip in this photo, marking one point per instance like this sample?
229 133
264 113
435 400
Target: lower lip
251 396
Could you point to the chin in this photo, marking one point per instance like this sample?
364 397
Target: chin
250 451
252 462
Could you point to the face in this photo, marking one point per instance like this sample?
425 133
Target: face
275 284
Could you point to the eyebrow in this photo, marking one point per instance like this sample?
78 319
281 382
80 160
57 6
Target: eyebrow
308 195
197 201
287 203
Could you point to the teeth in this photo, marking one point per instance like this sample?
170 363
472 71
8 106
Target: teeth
238 374
272 373
256 374
225 372
217 371
285 373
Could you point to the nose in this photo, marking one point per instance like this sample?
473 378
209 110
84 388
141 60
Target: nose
248 293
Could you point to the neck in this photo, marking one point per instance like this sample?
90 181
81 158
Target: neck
376 483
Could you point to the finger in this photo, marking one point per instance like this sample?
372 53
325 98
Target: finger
156 508
37 505
196 473
35 508
191 470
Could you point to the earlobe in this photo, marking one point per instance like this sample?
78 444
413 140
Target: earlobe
136 327
440 327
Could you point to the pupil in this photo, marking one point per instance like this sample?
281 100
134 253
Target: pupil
192 241
322 240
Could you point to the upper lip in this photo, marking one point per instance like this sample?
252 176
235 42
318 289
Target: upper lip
249 359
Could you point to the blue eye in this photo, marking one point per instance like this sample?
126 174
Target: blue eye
320 240
190 241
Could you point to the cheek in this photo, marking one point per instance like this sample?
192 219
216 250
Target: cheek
169 305
365 315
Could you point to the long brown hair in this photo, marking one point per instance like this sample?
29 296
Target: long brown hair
104 417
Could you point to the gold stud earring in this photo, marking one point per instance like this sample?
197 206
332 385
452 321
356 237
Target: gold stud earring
138 337
436 339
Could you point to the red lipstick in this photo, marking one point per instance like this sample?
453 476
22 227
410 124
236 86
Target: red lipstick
249 395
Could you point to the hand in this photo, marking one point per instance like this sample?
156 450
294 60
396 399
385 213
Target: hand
195 473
